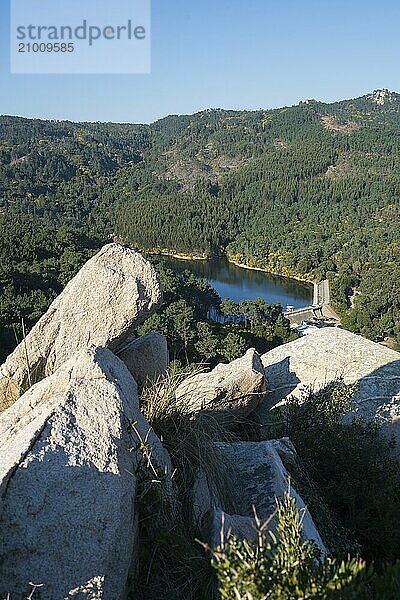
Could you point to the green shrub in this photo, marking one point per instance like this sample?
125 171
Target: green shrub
351 464
285 567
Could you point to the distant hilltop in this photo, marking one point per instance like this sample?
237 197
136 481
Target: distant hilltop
379 96
382 96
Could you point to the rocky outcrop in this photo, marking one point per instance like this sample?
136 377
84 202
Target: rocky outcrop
76 449
260 478
312 362
230 392
114 292
146 357
381 97
70 451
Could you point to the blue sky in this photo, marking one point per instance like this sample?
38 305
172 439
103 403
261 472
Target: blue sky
225 53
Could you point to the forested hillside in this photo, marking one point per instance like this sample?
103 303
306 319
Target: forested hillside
311 190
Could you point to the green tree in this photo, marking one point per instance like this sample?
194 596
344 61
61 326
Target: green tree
207 343
233 346
229 309
181 324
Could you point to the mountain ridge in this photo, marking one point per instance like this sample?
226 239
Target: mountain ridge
311 190
366 96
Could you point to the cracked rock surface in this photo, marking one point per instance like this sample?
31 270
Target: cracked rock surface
69 455
260 478
230 392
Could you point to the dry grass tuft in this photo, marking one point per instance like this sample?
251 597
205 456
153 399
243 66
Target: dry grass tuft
172 565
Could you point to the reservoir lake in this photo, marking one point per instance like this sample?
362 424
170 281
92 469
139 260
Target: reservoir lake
238 283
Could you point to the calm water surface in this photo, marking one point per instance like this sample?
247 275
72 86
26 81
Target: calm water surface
238 284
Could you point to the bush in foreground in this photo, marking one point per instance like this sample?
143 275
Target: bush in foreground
283 566
353 467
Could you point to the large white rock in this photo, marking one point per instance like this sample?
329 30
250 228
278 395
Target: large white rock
230 392
115 291
69 452
146 357
259 479
312 362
